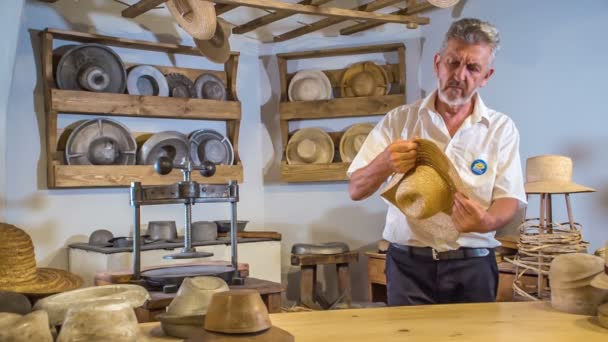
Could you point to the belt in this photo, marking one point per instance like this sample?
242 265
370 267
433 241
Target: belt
460 253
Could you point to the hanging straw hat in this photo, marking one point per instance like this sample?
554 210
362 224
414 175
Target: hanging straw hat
31 327
196 17
309 85
427 189
601 280
217 47
551 174
18 272
239 315
57 305
364 79
310 146
443 3
352 140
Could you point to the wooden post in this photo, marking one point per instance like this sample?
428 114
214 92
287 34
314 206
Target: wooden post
569 208
308 283
344 288
549 213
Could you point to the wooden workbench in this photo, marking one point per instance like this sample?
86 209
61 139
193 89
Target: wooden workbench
521 322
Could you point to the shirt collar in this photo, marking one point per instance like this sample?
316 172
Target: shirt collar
480 111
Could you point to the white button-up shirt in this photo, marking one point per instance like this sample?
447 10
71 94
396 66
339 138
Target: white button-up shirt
485 135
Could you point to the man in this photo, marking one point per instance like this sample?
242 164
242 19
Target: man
482 144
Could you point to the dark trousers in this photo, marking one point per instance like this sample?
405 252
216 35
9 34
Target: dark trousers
413 280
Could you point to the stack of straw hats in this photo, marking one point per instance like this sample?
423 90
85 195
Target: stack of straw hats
27 328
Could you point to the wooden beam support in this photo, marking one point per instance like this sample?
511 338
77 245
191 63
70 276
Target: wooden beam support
341 51
141 7
271 18
220 9
325 11
412 10
321 24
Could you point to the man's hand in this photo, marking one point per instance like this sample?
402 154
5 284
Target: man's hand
469 216
401 155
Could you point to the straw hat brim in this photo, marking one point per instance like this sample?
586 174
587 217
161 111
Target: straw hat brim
322 139
315 74
600 281
202 23
274 334
217 47
48 281
347 150
378 73
443 3
553 187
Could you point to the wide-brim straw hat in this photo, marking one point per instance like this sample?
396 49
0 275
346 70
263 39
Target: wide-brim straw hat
208 86
57 305
352 140
31 327
310 146
551 174
429 187
309 85
574 270
601 280
580 301
443 3
364 79
196 17
239 315
103 320
18 271
216 48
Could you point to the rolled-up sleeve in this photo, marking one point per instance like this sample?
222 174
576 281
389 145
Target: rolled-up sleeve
509 181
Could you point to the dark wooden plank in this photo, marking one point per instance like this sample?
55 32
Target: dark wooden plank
418 8
341 51
141 7
318 259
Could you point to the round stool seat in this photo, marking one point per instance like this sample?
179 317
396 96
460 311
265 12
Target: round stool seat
326 248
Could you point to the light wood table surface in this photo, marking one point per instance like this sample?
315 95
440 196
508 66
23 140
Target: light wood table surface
512 322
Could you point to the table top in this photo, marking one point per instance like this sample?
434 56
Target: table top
520 322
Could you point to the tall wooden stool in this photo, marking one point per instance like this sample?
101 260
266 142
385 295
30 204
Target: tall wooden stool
309 256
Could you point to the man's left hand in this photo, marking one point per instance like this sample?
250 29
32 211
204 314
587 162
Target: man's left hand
469 216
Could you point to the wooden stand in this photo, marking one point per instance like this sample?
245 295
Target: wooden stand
334 108
308 276
98 104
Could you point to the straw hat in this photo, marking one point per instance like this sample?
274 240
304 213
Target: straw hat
239 315
196 17
186 312
310 146
429 188
364 79
57 305
31 327
217 47
601 280
309 85
602 315
352 140
574 270
18 272
103 320
551 174
443 3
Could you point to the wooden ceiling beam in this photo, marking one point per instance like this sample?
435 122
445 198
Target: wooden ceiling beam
410 10
220 9
271 18
325 11
141 7
321 24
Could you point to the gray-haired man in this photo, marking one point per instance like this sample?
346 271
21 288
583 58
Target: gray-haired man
483 145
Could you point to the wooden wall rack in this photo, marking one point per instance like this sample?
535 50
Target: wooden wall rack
58 101
335 108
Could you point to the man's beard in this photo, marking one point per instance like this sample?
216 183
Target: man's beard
456 102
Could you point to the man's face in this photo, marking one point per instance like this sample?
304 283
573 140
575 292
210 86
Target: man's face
461 69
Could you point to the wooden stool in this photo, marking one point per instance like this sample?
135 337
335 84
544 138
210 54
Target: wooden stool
308 279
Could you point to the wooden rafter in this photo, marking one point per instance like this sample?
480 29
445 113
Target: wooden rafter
410 10
220 9
325 11
321 24
271 18
141 7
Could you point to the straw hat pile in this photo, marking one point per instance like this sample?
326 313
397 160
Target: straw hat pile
18 272
309 85
27 328
571 276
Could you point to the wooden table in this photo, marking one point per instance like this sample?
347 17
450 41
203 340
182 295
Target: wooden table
521 322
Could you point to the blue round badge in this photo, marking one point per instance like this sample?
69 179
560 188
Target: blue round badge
479 167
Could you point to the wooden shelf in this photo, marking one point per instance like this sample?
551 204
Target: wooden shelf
314 172
85 102
340 107
90 176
